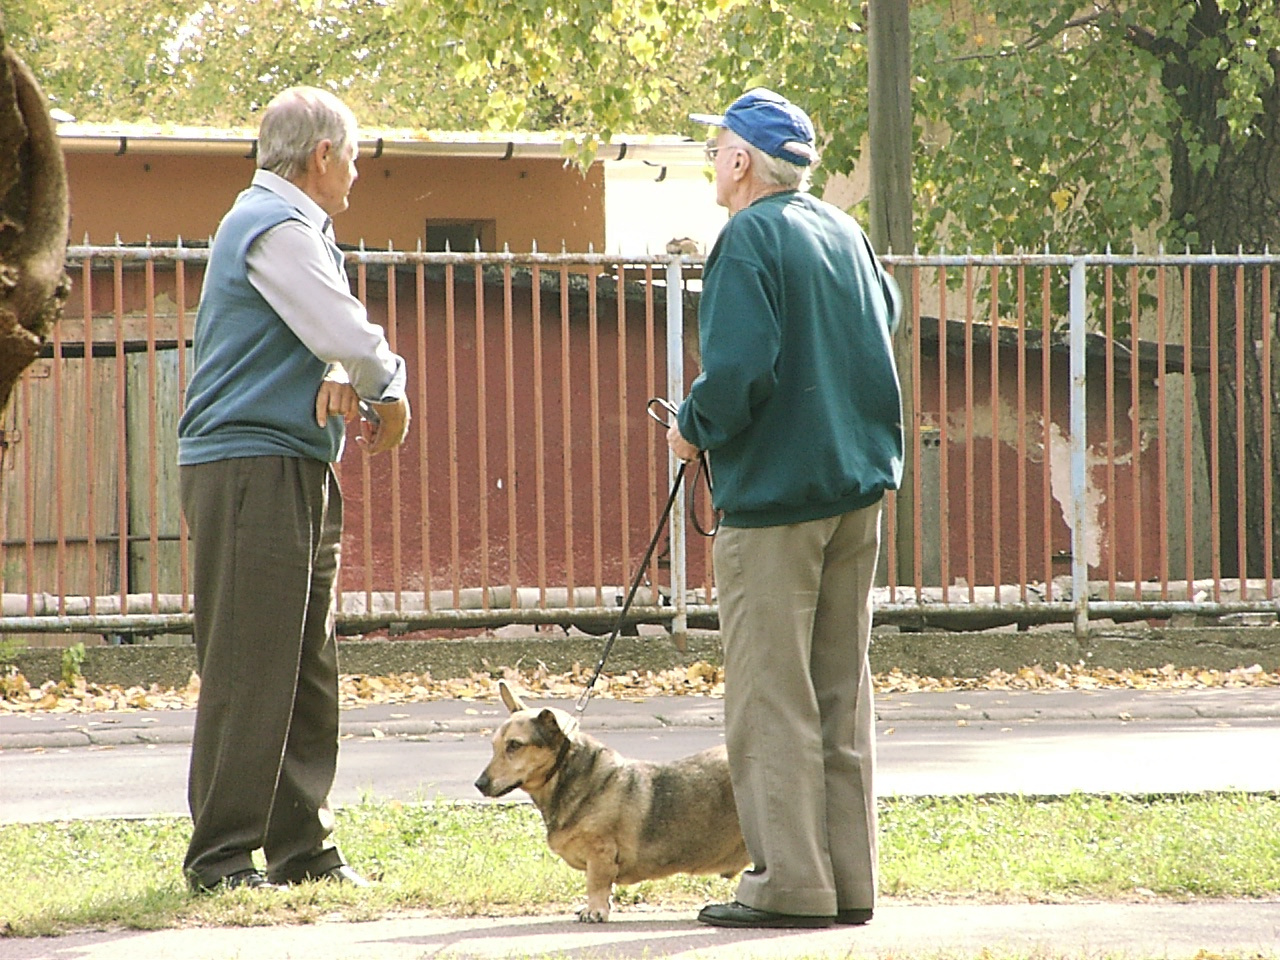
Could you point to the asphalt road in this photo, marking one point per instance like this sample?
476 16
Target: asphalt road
933 757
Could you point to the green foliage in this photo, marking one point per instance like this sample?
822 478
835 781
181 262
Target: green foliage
217 63
589 67
1040 123
72 662
1017 128
9 648
812 51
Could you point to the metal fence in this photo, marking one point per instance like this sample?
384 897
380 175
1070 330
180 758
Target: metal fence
1091 436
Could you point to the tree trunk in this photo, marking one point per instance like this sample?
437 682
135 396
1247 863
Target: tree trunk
33 220
1231 205
891 141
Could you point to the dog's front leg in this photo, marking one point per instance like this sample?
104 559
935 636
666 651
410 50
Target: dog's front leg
602 869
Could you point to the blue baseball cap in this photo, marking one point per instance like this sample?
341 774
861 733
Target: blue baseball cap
769 122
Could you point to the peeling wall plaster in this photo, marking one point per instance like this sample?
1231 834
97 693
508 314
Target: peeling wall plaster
981 424
1060 485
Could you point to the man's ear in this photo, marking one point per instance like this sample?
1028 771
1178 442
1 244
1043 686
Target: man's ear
322 155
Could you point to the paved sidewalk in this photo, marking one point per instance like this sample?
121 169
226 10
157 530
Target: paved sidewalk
899 930
60 730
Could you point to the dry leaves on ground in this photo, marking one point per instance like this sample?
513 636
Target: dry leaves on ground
1080 677
699 679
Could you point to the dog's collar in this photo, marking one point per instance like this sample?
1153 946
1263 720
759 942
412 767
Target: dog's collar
564 752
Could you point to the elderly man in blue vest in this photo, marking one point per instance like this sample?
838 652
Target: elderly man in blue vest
799 407
284 359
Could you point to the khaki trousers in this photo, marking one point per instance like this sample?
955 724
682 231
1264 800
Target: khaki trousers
265 536
795 616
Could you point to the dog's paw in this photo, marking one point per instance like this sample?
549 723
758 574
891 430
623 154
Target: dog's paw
589 914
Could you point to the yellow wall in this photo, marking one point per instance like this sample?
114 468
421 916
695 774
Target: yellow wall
166 196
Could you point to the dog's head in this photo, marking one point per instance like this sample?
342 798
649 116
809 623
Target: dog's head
527 748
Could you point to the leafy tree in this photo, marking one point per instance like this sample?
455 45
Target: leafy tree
1042 123
591 68
454 66
1082 127
1039 121
217 62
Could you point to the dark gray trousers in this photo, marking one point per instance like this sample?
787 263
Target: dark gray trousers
265 537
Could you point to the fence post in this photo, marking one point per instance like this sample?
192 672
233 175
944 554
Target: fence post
1079 449
675 393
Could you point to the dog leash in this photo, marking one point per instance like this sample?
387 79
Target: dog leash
703 471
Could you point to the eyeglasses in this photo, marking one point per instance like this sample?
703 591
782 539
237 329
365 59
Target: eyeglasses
711 149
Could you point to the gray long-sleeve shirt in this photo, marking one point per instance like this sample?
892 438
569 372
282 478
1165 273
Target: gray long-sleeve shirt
292 269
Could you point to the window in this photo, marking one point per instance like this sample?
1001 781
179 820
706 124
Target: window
461 236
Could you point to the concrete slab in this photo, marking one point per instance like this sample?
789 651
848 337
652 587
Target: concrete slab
1084 930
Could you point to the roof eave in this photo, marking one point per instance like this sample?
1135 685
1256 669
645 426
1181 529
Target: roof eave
664 150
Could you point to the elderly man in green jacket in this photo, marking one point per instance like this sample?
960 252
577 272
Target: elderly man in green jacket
799 407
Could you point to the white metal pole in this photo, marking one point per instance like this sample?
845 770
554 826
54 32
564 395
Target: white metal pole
1079 449
675 393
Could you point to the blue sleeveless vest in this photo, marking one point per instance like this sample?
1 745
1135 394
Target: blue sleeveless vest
253 386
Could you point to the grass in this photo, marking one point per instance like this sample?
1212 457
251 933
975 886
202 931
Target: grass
1221 845
455 859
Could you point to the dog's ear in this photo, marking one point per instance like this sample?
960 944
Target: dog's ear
546 727
552 726
555 725
509 697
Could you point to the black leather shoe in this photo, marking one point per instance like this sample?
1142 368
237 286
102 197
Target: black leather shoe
740 915
853 918
250 879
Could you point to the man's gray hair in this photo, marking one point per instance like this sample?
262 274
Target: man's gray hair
774 172
294 123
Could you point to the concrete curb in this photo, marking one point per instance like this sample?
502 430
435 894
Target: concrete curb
1171 711
80 737
62 731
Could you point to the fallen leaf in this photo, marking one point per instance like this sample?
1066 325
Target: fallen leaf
698 679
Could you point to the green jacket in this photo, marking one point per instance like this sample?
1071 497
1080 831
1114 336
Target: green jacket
798 401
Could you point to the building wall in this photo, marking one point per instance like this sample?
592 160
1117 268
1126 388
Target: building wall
162 196
649 206
1003 503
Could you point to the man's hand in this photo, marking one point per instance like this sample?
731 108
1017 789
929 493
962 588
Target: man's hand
335 398
682 448
391 427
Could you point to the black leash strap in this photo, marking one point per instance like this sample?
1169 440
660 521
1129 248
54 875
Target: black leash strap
703 471
635 585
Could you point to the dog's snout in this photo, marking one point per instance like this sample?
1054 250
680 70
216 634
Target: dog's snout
483 783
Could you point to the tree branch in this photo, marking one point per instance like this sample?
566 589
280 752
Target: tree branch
1040 35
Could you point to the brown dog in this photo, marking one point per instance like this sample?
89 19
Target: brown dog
620 820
